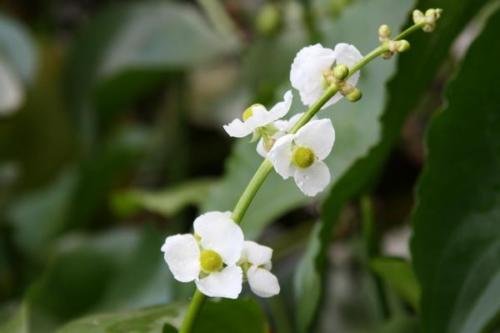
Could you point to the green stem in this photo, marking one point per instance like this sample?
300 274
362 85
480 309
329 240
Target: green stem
261 174
192 312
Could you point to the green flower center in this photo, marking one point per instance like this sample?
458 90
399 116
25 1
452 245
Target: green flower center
210 261
302 157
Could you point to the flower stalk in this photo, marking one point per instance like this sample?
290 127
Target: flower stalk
266 166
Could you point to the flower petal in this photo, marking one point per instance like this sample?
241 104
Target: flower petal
281 109
281 156
260 117
261 150
262 282
318 135
226 283
182 255
218 232
256 254
306 74
237 129
313 179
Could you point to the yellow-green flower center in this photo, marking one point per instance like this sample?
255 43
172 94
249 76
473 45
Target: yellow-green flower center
210 261
302 157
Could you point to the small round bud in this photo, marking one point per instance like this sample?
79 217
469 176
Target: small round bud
384 32
340 72
403 45
268 19
354 95
302 157
210 261
418 16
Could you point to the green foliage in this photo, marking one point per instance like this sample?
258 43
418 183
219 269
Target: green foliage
18 322
243 316
399 275
456 243
167 202
128 49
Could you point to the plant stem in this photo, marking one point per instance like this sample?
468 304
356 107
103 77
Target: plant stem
192 312
261 174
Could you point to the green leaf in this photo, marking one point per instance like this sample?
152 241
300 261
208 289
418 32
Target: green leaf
129 48
120 269
167 202
400 325
148 320
242 316
399 275
456 241
39 216
18 323
404 91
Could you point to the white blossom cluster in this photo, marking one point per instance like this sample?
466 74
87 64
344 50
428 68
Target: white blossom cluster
216 256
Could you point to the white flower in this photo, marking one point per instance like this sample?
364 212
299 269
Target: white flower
313 62
301 156
257 116
282 127
256 262
208 257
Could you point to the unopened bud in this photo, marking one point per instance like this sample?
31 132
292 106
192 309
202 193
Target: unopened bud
418 16
340 72
403 45
355 95
268 19
384 32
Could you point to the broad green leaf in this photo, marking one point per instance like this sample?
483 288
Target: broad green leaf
129 48
400 325
38 217
404 91
118 270
18 323
399 275
148 320
456 241
167 202
243 315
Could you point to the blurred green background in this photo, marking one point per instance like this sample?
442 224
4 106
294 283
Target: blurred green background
111 138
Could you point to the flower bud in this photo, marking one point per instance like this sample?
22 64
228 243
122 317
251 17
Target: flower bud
354 96
384 32
418 16
268 19
403 45
340 72
302 157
